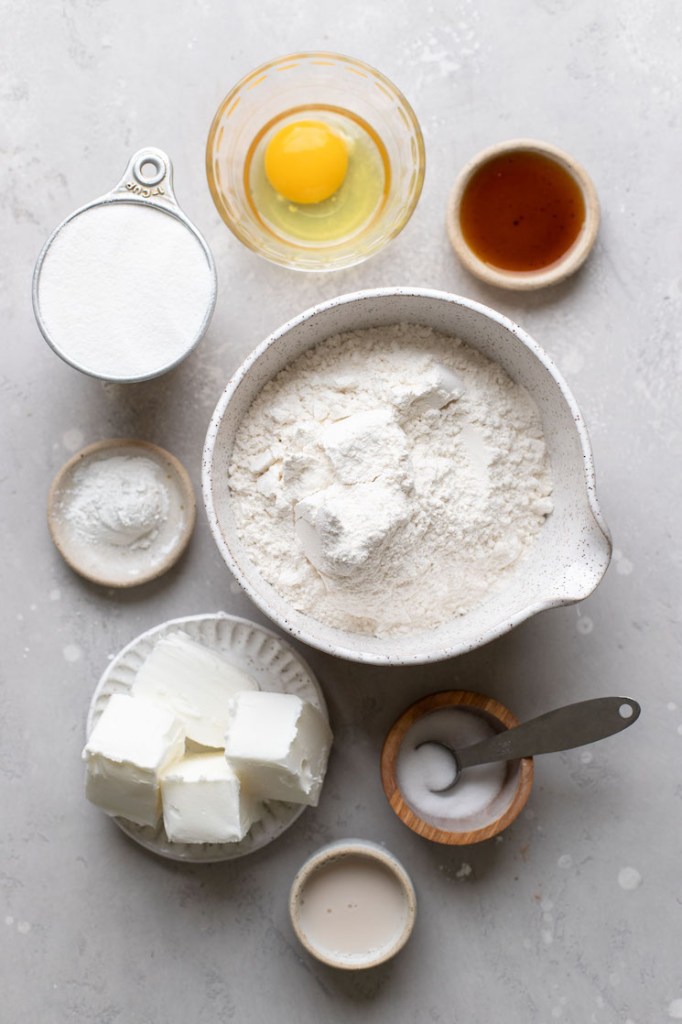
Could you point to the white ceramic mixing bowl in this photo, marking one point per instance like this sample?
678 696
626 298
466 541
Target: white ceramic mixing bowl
569 556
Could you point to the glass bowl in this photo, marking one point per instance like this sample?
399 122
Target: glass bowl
306 82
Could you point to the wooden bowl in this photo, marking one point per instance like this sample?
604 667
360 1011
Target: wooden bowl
500 813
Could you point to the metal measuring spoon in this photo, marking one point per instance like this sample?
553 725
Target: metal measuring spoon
562 729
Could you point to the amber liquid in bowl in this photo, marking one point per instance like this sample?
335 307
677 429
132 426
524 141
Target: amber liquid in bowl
521 211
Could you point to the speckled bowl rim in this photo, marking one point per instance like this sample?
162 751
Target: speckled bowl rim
308 634
353 848
158 454
476 702
515 280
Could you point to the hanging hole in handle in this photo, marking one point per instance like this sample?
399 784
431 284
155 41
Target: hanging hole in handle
149 170
626 711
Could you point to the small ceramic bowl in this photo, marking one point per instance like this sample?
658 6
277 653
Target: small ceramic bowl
570 554
352 905
119 564
471 826
304 82
562 267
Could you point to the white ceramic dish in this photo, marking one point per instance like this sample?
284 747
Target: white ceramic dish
119 566
262 655
573 549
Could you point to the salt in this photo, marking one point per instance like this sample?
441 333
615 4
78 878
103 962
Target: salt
420 771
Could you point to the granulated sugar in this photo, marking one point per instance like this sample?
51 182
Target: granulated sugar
389 480
124 290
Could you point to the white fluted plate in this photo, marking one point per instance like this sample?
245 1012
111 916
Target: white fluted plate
258 652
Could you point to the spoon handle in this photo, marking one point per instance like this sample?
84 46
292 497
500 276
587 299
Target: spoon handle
567 727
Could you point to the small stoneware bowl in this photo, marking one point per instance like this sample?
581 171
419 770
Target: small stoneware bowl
473 827
560 268
352 905
120 565
570 554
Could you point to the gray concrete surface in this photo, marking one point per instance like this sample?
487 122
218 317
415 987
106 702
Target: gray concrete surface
574 916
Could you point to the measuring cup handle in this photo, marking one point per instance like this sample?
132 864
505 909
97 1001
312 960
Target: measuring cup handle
563 729
148 177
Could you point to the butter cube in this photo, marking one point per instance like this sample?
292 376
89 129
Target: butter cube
205 802
132 743
279 744
193 682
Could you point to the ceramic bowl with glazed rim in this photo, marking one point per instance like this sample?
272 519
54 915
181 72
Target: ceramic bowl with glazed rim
352 905
562 267
118 564
473 826
572 550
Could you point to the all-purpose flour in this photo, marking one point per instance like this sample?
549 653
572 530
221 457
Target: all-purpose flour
389 479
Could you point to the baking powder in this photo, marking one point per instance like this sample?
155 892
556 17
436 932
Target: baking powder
120 501
389 479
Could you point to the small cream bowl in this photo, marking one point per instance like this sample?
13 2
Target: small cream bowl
562 267
306 82
352 905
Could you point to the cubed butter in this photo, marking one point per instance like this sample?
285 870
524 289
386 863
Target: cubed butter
279 744
132 743
205 802
194 683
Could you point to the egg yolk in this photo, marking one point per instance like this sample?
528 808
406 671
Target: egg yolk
306 162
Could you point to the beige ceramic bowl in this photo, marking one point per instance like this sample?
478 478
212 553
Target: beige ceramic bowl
499 813
121 566
360 924
571 552
562 268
